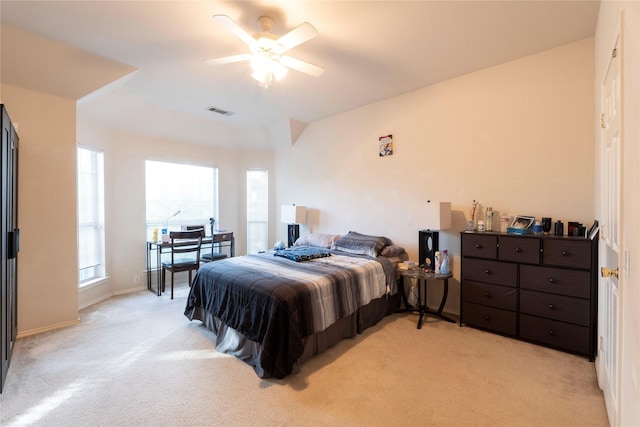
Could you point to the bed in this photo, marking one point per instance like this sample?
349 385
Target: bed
277 309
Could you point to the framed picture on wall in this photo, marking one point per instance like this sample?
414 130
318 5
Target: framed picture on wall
385 145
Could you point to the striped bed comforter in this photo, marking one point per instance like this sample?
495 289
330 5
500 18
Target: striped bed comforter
277 302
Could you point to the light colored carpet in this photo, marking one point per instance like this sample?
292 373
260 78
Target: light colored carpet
135 360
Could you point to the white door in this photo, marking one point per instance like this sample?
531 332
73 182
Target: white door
611 230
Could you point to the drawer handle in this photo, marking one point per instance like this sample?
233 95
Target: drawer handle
552 332
552 307
487 271
487 294
487 317
565 253
478 245
518 250
552 280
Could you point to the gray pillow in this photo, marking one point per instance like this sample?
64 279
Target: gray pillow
361 244
392 250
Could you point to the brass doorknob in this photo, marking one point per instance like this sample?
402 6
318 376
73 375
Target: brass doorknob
607 272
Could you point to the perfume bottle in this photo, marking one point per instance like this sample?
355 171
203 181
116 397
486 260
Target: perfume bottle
488 226
504 223
444 264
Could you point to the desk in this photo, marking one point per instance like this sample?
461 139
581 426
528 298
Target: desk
219 241
423 279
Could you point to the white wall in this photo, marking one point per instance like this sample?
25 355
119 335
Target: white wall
47 209
517 137
617 16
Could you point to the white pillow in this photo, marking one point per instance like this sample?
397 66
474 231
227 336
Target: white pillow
320 240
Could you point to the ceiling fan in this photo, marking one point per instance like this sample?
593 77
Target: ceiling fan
266 50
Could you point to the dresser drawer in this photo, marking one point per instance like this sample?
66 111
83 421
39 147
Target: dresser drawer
553 333
567 253
504 297
556 281
494 319
497 273
480 246
519 249
556 307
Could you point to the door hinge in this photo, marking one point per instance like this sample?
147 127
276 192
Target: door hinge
602 123
614 53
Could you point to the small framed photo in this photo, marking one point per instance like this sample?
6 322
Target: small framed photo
593 231
523 222
385 145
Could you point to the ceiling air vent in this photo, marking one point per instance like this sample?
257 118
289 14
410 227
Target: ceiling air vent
219 111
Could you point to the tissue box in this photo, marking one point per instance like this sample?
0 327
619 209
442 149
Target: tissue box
516 230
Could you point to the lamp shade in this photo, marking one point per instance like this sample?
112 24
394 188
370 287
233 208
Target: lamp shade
292 214
430 215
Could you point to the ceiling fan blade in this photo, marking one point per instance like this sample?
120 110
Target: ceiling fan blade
293 38
302 66
236 29
229 59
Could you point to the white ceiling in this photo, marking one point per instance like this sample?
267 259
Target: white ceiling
371 50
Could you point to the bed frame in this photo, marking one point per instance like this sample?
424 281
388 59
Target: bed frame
232 342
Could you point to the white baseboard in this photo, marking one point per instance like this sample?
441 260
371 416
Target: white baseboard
49 328
95 300
131 290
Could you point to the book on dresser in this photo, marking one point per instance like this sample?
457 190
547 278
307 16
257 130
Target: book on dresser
537 288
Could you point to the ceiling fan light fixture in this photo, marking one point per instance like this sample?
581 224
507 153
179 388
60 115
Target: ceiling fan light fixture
278 70
266 69
264 45
260 76
260 66
267 50
259 63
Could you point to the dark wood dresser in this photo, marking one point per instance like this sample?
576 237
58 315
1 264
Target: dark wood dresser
538 288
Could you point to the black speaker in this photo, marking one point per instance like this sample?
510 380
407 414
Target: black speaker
427 248
294 233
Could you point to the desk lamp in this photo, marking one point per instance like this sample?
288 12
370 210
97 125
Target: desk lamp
293 215
165 236
432 217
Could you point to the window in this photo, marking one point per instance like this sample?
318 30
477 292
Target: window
179 194
257 210
91 258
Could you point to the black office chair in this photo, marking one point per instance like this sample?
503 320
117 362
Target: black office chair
185 254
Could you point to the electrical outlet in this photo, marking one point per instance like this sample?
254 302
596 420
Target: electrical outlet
136 280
